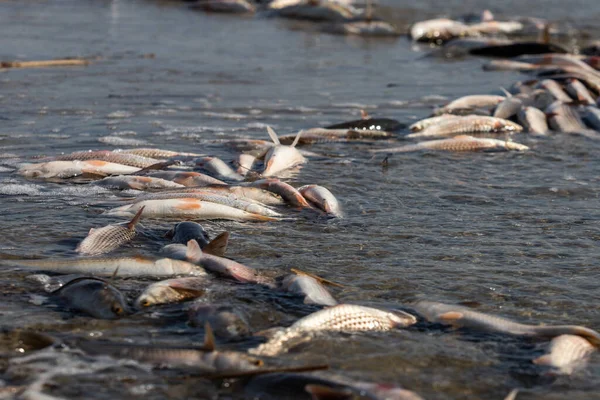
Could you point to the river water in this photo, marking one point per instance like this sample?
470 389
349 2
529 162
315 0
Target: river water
513 234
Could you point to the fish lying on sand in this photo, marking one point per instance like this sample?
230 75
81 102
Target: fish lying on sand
187 207
172 291
566 353
458 143
322 199
467 124
280 157
93 296
108 238
69 169
463 317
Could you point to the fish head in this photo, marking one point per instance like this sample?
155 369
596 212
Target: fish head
152 296
280 158
401 318
185 231
226 322
108 302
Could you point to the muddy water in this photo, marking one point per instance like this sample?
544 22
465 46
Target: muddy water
513 234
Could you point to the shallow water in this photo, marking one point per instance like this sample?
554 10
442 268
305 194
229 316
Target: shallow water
516 234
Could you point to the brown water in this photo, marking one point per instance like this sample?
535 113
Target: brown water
515 233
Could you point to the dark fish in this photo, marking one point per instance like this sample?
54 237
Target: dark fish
93 296
185 231
380 124
517 49
226 321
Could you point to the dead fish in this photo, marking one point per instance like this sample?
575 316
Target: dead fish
555 89
68 169
116 157
227 322
314 134
280 157
579 92
322 199
220 265
287 192
591 115
158 153
225 6
564 118
339 318
438 30
216 247
472 102
127 266
172 291
458 143
533 120
566 353
188 178
219 168
245 163
124 182
468 124
250 193
108 238
463 317
510 65
287 386
367 123
187 208
427 122
309 288
538 98
185 231
315 10
93 296
495 27
368 27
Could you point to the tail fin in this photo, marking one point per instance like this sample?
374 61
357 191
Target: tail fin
297 139
218 246
131 225
273 135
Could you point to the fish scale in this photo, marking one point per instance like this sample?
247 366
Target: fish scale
458 143
468 124
131 160
105 239
566 353
157 153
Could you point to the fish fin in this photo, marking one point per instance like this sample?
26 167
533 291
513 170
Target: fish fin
543 360
506 92
512 395
450 316
321 392
218 246
136 218
170 233
273 135
318 278
364 114
91 231
263 218
187 292
157 166
193 251
92 173
295 142
114 275
209 337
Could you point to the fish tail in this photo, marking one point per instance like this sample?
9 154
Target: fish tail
261 218
131 225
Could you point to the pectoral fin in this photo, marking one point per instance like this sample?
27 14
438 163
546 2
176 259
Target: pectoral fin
218 246
450 316
193 252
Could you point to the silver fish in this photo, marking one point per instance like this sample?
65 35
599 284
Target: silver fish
127 266
555 89
566 353
476 101
227 322
287 192
534 120
262 196
462 317
158 153
468 124
279 157
68 169
564 118
245 163
591 116
317 135
579 92
116 157
123 182
225 6
94 297
172 291
458 143
364 28
321 198
309 288
186 178
108 238
312 10
438 30
219 168
427 122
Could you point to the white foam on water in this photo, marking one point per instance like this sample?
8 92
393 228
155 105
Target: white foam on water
19 189
124 133
224 115
120 114
164 111
6 169
119 141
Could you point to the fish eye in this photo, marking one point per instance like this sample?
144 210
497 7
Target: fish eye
258 363
145 303
117 309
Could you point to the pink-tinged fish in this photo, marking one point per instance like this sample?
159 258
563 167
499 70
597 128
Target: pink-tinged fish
566 353
136 182
188 178
158 153
172 291
287 192
116 157
322 199
340 318
219 168
463 317
69 169
108 238
187 207
279 157
93 296
468 124
458 143
245 163
127 266
313 291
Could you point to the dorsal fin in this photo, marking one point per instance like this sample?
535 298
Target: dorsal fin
193 252
297 138
273 135
209 337
136 218
114 275
218 246
364 114
506 92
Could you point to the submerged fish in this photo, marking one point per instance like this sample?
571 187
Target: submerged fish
172 291
313 291
188 178
321 198
108 238
68 169
279 157
468 124
116 157
287 192
458 143
566 353
226 321
158 153
127 266
534 120
136 182
187 208
93 296
219 168
462 317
